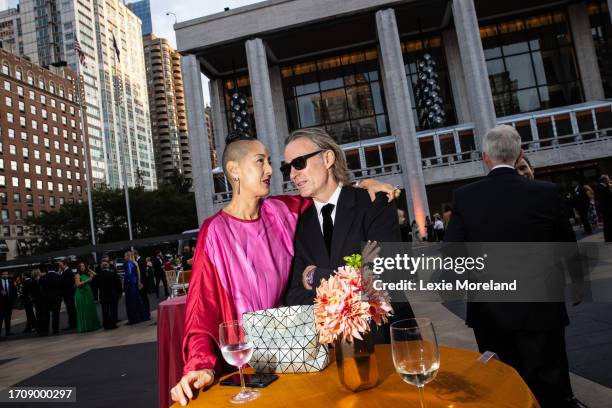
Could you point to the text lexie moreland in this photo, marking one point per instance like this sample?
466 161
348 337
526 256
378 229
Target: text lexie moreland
464 284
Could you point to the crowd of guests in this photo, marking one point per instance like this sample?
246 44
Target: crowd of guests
80 286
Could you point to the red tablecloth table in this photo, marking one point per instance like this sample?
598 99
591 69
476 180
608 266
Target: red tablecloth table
170 328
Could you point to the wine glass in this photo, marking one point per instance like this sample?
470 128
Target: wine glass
237 350
415 352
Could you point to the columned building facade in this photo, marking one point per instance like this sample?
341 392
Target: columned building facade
365 70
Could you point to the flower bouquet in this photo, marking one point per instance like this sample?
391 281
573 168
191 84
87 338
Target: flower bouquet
344 308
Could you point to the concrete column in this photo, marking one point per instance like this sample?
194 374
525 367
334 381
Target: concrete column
480 101
198 137
217 105
263 106
456 76
399 109
280 111
585 52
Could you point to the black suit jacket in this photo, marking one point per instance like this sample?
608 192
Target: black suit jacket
505 207
9 297
109 285
68 288
357 220
51 288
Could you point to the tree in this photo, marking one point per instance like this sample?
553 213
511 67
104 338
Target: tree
169 210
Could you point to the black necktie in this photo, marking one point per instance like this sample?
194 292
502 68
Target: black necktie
328 225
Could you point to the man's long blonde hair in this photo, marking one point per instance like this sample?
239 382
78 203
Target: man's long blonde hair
320 138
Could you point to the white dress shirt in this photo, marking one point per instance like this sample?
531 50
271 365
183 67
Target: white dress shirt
332 200
502 165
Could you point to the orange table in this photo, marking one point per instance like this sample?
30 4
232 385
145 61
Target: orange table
461 382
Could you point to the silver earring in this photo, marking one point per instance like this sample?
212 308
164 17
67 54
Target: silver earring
236 179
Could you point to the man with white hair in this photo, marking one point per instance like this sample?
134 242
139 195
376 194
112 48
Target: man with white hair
505 207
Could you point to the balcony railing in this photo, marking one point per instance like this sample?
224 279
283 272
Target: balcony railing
549 129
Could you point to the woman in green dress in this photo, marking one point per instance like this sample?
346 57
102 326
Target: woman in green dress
87 316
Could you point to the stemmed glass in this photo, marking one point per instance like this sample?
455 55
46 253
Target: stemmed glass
415 352
237 350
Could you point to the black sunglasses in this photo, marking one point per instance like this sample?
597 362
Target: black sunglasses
299 163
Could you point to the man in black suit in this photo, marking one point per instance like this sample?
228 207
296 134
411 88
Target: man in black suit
8 295
28 298
144 291
110 287
160 274
339 221
603 195
580 202
68 290
51 289
505 207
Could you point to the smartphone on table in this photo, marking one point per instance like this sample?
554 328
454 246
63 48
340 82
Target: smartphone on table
250 380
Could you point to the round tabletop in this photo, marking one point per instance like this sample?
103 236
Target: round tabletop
462 381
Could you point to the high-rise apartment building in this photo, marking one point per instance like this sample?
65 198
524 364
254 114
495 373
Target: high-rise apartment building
167 105
143 10
10 30
115 88
42 157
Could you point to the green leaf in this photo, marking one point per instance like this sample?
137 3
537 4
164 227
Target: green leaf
353 260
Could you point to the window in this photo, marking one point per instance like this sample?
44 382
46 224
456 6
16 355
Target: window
9 117
3 197
44 113
32 95
34 125
25 152
26 167
15 181
14 165
11 133
46 142
28 185
49 171
6 230
8 101
52 103
6 69
18 216
41 199
16 198
20 90
602 37
22 121
340 93
38 169
50 185
37 154
54 116
2 181
531 64
13 149
39 184
18 74
4 215
7 86
33 109
51 201
43 99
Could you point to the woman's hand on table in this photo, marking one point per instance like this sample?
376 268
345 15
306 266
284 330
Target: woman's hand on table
183 390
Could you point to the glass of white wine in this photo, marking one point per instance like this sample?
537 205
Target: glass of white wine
237 350
415 352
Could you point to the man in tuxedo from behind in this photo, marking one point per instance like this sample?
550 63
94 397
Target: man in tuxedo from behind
160 275
8 295
505 207
110 287
339 221
51 289
68 290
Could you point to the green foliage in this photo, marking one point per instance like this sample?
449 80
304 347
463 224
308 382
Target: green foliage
169 210
353 260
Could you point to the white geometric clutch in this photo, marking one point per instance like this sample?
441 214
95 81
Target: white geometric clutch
285 340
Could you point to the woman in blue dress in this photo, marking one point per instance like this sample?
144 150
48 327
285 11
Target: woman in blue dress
134 306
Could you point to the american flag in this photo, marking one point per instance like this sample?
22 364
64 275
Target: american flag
116 47
80 53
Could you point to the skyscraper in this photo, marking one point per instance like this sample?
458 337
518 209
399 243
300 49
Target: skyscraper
116 102
10 30
167 102
143 10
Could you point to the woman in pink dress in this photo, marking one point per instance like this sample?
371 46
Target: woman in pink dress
242 259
